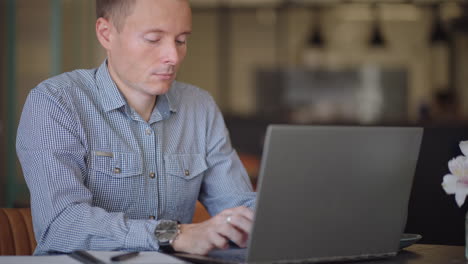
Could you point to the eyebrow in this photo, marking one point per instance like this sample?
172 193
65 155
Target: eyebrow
162 31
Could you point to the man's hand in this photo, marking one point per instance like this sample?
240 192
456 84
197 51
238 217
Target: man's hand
232 224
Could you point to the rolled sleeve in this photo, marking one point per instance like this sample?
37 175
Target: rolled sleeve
226 184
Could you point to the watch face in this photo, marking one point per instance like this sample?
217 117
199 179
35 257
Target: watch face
165 225
165 236
166 230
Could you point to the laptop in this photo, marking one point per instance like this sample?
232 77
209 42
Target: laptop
328 193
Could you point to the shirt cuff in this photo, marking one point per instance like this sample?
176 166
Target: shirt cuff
141 235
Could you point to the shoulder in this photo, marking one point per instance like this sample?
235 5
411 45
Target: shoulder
67 83
64 93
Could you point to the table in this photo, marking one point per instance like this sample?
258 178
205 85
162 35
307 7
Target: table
146 257
426 254
415 254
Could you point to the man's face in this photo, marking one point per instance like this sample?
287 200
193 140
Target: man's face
146 54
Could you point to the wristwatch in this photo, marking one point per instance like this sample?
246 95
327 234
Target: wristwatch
166 232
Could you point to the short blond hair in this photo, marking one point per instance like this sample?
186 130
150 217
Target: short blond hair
115 10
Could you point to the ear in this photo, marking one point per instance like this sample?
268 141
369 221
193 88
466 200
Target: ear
103 32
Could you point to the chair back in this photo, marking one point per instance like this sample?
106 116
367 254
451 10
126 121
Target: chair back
16 232
201 214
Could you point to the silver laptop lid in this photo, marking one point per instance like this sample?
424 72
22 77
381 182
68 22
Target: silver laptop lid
332 193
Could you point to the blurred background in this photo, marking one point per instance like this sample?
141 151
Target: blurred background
332 62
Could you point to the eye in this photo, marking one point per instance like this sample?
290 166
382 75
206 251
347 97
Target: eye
152 41
152 38
181 42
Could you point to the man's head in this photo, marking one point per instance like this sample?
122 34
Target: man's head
145 42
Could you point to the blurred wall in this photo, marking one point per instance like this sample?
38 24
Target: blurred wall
461 75
3 92
81 48
32 46
259 38
258 41
201 63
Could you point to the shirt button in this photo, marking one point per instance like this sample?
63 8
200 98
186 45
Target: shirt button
152 217
117 170
148 131
187 173
152 175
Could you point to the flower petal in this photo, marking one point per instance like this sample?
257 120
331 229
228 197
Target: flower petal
458 166
460 195
464 147
449 184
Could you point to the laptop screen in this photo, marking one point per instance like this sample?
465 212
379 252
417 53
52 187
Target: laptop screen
333 192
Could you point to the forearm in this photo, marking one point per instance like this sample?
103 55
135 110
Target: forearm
226 184
81 226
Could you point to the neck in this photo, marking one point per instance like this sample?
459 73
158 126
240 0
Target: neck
142 103
144 109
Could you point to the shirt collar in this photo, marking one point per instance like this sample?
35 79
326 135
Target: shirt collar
111 98
171 97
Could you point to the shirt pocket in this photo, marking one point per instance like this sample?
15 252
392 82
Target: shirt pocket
113 180
185 166
184 174
116 164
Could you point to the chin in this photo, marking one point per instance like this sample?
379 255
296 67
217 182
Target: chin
159 89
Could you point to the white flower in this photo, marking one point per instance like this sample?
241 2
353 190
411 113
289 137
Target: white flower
464 147
457 182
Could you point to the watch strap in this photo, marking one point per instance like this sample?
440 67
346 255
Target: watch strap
166 247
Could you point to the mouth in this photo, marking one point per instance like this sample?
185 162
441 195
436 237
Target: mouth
164 76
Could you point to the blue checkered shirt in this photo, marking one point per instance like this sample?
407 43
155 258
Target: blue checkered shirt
98 173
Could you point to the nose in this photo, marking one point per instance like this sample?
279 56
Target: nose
171 54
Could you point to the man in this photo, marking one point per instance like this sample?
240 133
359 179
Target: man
116 157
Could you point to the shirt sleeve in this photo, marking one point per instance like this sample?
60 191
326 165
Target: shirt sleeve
226 183
52 152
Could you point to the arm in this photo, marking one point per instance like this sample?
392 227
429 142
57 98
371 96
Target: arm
226 183
52 150
226 192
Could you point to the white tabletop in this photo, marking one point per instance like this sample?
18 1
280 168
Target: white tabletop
143 257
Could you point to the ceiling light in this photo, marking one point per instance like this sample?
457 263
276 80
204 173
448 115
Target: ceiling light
315 38
377 40
438 33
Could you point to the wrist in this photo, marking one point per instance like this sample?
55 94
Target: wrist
166 232
171 241
178 242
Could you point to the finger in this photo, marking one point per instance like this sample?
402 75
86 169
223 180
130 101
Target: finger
240 222
247 213
233 234
218 241
244 240
241 210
